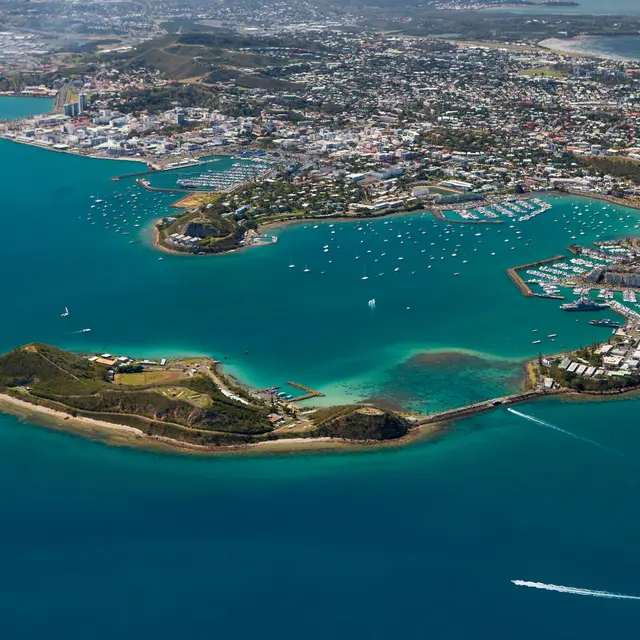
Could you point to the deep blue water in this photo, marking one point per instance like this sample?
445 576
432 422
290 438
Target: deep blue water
415 542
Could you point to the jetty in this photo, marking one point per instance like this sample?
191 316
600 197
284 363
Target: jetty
525 289
308 392
480 407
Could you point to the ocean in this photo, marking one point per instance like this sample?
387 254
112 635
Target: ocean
421 541
611 47
415 541
14 107
269 322
585 7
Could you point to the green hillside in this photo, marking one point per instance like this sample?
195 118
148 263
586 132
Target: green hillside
355 422
170 402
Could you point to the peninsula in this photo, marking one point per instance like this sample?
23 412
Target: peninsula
189 403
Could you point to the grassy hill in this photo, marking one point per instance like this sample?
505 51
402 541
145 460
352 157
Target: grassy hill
355 422
49 370
68 382
188 408
194 55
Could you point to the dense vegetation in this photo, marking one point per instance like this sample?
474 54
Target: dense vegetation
73 383
191 410
354 422
164 98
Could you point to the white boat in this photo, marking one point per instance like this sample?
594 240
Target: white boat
85 330
536 342
65 314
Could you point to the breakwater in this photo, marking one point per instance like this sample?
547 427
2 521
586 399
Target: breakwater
480 407
525 289
133 175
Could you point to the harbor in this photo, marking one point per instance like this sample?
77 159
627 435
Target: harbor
226 179
523 286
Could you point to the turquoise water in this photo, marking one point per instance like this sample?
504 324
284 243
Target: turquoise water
12 107
272 323
416 542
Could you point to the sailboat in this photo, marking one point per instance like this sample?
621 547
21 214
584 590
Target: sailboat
65 314
372 303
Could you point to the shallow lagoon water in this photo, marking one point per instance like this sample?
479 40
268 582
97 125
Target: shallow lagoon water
413 542
443 288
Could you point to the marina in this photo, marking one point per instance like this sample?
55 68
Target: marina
224 180
370 288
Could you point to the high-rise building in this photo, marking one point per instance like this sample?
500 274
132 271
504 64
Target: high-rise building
71 109
83 103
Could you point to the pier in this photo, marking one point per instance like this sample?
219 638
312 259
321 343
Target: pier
479 407
309 393
145 185
525 289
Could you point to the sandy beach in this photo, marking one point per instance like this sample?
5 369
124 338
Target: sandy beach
123 435
582 46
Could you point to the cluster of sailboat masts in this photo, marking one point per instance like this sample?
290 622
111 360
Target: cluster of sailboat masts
228 179
521 210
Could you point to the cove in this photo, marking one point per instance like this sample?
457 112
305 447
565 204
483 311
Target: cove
83 241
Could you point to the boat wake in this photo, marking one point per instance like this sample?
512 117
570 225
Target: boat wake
543 423
574 590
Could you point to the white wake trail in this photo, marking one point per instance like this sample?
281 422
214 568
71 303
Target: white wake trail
568 433
574 590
